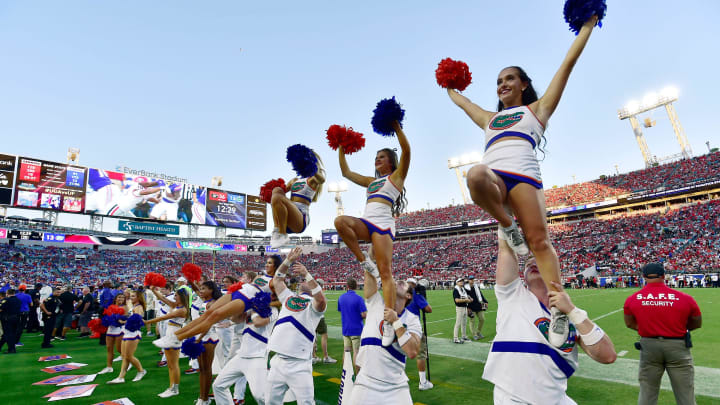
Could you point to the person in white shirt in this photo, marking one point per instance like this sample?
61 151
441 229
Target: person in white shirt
523 365
382 377
249 362
293 336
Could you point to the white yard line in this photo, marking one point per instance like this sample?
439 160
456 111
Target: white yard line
608 314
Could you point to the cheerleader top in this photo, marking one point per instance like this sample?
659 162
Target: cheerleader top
177 321
301 189
383 187
519 121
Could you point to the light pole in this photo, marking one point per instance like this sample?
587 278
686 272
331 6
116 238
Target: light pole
338 187
458 162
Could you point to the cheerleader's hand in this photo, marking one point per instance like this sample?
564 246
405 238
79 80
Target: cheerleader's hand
390 315
295 254
591 22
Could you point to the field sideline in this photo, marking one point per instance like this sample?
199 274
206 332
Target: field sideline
455 369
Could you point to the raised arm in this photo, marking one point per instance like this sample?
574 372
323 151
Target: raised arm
370 287
178 313
171 304
318 178
281 272
507 264
474 111
356 178
545 106
319 302
400 174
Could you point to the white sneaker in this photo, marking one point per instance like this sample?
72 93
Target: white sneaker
170 392
139 376
559 328
167 342
329 360
279 239
427 385
129 367
315 360
514 238
274 237
116 359
106 370
201 402
388 336
369 266
117 381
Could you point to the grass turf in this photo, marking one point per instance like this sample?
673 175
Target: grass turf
457 381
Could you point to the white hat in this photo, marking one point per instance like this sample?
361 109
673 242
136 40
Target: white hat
181 278
412 280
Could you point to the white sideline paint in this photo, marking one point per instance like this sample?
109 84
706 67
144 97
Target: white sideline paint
608 314
622 353
623 371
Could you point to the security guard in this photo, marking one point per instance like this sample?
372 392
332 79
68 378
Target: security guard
49 309
663 318
10 318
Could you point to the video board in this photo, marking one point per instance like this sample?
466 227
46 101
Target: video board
256 213
7 178
330 237
49 185
226 208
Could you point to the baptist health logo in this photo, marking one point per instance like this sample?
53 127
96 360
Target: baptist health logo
140 227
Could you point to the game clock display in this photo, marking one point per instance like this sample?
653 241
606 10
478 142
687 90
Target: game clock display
226 209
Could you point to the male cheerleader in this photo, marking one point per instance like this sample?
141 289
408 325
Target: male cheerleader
523 365
250 361
293 337
382 377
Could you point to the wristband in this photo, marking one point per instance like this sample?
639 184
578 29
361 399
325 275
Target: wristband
316 290
577 316
309 277
288 263
253 316
280 274
398 324
594 336
404 339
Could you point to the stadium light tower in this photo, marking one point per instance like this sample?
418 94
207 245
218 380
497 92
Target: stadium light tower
338 187
650 102
458 162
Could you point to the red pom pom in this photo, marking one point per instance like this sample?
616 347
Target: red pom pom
115 310
96 326
267 189
453 74
153 279
350 140
192 272
235 287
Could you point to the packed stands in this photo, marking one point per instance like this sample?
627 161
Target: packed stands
672 175
687 238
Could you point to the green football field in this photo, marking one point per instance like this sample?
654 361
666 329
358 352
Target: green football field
455 369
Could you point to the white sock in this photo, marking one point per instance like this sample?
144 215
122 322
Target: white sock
423 380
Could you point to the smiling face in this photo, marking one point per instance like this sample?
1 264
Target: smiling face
134 297
204 292
270 265
383 163
510 87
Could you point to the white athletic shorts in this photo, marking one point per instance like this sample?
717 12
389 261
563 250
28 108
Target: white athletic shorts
198 214
378 219
502 397
514 158
287 373
368 390
305 211
170 210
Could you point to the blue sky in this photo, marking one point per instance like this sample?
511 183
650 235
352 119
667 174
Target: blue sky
222 88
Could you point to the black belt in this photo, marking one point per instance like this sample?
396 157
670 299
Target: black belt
665 337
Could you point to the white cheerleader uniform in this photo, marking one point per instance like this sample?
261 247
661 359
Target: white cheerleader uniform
173 325
115 331
211 336
249 290
378 216
382 377
514 160
301 189
128 335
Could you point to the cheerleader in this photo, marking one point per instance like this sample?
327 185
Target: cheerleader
176 318
292 215
385 199
509 174
229 304
113 338
209 293
130 341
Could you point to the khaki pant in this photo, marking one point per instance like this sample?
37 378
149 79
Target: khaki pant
477 322
658 355
460 321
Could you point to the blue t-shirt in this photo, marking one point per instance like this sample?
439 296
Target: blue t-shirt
25 301
351 307
107 296
418 303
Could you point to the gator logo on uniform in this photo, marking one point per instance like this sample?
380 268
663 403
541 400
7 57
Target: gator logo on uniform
297 186
544 325
296 304
260 282
506 121
376 185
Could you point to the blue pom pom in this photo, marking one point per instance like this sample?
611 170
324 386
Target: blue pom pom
387 111
134 323
111 320
303 160
191 348
578 12
261 304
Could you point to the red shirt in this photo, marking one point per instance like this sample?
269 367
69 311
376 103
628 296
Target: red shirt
661 311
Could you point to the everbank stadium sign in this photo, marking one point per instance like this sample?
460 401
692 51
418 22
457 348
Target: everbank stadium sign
151 174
